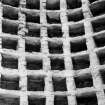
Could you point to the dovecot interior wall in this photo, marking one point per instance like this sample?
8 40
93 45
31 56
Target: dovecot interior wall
52 52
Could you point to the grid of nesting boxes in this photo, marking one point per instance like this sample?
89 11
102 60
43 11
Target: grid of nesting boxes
52 52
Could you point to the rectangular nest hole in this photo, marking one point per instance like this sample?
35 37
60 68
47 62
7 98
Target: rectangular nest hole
14 3
75 16
59 84
10 12
98 25
80 62
101 57
54 31
72 4
83 81
78 45
31 46
9 83
102 72
9 62
9 43
36 101
34 64
53 17
57 64
36 84
4 100
55 47
99 40
98 8
33 4
60 100
76 30
53 4
87 100
33 17
10 27
33 30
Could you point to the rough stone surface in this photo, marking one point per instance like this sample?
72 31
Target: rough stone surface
52 52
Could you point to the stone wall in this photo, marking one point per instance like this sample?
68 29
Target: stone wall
52 52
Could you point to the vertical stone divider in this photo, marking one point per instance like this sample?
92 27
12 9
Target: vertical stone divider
94 62
69 73
21 50
46 60
1 8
